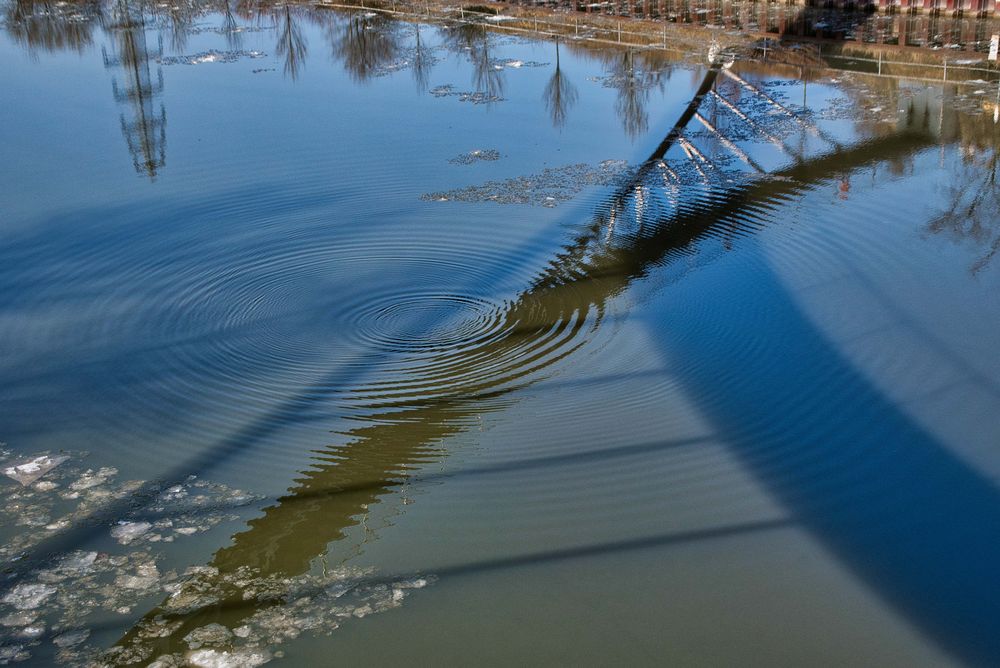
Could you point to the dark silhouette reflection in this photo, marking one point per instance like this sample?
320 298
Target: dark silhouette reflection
423 61
974 200
291 43
559 95
365 43
179 21
475 40
47 25
145 124
230 25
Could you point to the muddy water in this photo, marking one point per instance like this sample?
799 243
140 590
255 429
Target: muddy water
329 336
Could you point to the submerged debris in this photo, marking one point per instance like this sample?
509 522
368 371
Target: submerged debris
478 155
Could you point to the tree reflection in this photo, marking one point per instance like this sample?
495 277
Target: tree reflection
474 40
45 25
974 199
559 95
291 43
422 63
365 43
230 26
633 84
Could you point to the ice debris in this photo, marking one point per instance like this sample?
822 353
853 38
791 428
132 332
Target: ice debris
210 56
28 596
547 188
210 658
27 471
126 532
478 155
47 614
475 97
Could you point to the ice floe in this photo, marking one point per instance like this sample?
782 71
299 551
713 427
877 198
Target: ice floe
48 614
477 155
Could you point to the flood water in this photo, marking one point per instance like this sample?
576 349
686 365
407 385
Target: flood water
330 336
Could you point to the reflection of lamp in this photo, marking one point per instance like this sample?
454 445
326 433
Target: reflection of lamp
146 132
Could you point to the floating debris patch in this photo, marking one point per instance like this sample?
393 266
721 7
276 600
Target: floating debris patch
514 63
408 58
475 97
478 155
547 188
210 56
281 609
56 494
27 471
48 614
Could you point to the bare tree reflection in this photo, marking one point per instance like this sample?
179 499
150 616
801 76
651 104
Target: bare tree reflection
559 95
422 63
365 43
633 84
474 40
230 26
180 18
46 26
974 199
291 44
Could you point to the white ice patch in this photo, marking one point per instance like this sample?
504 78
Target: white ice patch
211 658
29 596
27 471
126 532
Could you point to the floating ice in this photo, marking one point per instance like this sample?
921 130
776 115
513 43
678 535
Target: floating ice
210 56
478 155
146 576
71 638
29 596
19 618
475 97
126 532
80 586
210 658
213 634
91 479
547 188
10 653
27 471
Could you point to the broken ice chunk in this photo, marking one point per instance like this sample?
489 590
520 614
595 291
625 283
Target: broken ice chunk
71 638
18 619
243 658
126 532
27 471
211 634
29 596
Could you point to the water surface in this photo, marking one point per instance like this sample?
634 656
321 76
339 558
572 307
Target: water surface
428 342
